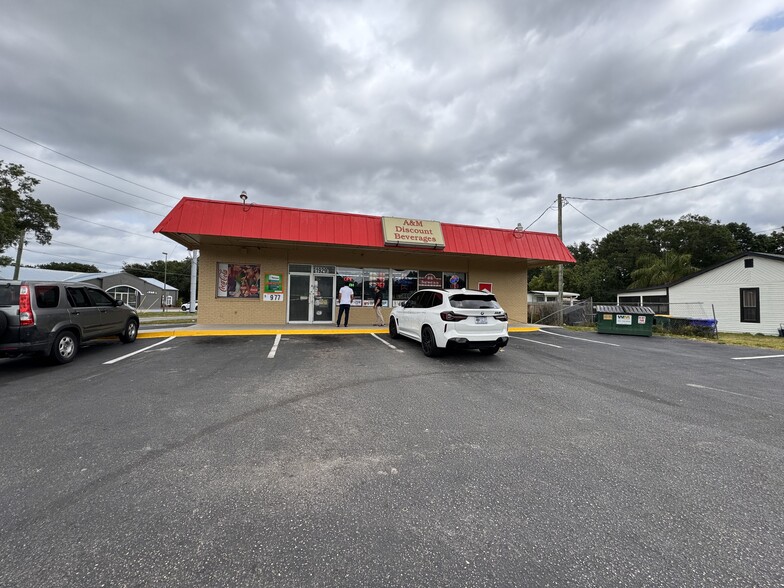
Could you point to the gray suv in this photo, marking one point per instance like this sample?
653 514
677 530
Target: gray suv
53 318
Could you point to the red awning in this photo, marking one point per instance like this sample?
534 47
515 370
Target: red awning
194 221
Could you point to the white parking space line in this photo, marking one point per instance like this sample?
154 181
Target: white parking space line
757 357
116 359
733 393
274 349
578 338
387 343
537 342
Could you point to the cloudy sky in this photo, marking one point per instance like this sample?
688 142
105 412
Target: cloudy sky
476 112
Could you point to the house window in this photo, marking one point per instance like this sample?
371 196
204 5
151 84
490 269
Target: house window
748 263
749 305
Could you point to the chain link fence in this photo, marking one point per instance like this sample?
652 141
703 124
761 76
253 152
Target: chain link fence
693 319
546 313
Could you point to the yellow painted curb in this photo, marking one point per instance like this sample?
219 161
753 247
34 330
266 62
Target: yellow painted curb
246 332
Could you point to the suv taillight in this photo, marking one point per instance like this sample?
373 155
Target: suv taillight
502 317
452 317
26 316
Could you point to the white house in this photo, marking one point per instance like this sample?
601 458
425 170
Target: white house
746 293
141 293
569 298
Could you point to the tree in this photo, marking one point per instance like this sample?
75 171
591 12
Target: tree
20 213
70 266
654 270
621 249
707 242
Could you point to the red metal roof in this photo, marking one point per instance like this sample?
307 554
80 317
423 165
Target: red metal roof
194 218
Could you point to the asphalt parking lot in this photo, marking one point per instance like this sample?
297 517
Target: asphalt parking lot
568 459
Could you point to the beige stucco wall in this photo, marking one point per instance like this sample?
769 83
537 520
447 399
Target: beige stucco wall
508 276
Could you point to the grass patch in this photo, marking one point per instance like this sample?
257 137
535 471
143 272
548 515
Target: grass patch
741 339
749 340
168 314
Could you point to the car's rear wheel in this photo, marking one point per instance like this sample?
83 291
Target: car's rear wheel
393 329
429 347
65 346
490 350
131 331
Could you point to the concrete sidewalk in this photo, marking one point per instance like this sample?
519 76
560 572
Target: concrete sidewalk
197 330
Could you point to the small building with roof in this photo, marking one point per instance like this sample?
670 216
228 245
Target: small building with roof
745 294
264 264
140 293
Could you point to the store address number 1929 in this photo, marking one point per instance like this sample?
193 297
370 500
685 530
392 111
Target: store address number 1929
273 297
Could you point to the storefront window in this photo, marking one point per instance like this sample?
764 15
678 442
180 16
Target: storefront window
454 280
404 284
351 277
430 279
236 280
372 278
126 294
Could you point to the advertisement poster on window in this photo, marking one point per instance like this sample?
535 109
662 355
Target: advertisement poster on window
455 280
273 283
430 280
236 280
485 286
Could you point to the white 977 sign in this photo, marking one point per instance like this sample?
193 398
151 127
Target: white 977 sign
273 297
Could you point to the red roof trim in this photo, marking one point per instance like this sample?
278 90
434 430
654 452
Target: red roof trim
219 218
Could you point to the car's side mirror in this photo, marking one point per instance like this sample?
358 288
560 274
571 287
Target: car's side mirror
118 302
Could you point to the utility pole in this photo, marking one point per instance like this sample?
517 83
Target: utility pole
19 250
165 263
560 265
194 267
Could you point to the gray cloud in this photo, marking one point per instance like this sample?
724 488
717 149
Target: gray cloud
477 113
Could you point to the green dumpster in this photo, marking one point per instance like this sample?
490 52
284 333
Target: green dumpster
625 320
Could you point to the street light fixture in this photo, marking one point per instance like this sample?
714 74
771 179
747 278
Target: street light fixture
165 264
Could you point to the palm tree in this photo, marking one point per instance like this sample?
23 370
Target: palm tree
653 270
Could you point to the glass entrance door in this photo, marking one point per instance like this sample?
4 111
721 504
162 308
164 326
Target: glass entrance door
311 298
323 292
299 298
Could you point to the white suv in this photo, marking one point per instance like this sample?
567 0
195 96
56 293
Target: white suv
447 319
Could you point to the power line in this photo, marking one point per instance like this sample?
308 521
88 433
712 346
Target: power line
781 228
685 188
96 195
87 164
82 177
89 262
550 207
586 216
98 250
84 220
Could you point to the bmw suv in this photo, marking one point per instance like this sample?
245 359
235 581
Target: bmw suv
450 319
53 318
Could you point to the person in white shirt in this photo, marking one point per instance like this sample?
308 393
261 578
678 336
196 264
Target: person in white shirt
346 297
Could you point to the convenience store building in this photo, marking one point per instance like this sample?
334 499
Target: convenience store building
275 265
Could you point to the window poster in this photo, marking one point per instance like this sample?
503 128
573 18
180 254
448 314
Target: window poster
273 283
429 279
236 280
351 277
454 281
